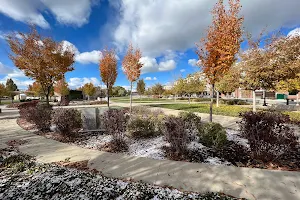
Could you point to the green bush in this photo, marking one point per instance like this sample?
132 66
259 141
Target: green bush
213 135
203 100
140 127
192 122
233 102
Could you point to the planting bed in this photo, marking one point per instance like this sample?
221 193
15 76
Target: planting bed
137 136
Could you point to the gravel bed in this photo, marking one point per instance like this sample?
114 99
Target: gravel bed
152 147
41 181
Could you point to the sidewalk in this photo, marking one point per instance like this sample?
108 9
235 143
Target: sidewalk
238 182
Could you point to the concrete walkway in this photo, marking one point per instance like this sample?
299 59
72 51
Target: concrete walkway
239 182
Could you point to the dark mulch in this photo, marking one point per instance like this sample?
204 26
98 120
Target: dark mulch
16 143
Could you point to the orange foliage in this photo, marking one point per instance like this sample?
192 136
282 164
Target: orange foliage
61 87
131 63
40 58
108 67
217 51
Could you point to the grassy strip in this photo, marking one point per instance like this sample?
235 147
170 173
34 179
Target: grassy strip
226 110
143 100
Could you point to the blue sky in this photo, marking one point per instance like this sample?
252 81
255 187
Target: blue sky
166 32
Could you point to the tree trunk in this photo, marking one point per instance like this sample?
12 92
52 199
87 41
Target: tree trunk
217 98
264 96
130 97
254 100
107 95
297 104
47 99
189 98
88 97
211 102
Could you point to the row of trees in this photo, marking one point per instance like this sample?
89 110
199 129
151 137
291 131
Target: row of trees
9 89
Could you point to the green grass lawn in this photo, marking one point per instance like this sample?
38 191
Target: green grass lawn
142 100
8 101
227 110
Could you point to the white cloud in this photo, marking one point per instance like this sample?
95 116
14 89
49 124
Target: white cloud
71 12
148 78
193 62
85 57
27 11
76 82
295 32
151 65
75 12
22 83
175 25
182 70
89 57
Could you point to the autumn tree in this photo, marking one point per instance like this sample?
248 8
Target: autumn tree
36 89
179 87
89 90
217 52
274 63
61 87
11 88
40 58
140 87
230 81
3 91
132 67
157 89
108 70
193 85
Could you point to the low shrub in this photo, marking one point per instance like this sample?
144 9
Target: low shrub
268 133
41 117
27 109
146 111
233 102
175 134
66 120
140 127
116 146
191 120
64 101
213 135
115 121
98 102
235 153
203 100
